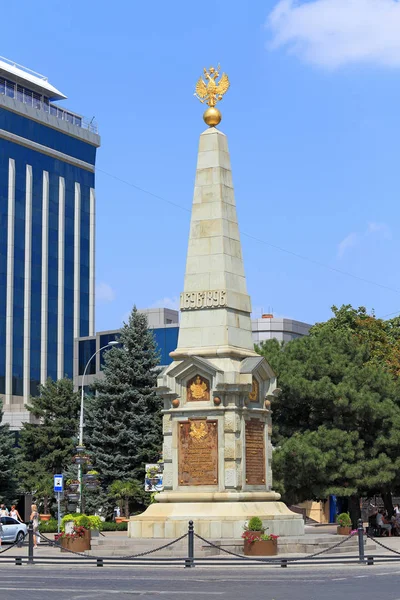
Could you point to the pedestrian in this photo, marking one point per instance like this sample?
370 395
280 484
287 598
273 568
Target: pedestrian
15 514
35 522
1 531
3 511
383 523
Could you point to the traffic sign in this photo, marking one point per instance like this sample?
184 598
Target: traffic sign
58 483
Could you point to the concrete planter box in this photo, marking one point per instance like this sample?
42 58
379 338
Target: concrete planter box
343 530
79 544
261 548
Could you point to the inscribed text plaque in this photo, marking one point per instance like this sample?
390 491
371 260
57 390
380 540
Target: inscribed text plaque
198 452
255 452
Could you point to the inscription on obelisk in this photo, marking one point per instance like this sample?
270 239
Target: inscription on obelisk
198 452
255 452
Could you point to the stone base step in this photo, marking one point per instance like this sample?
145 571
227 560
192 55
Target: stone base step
307 544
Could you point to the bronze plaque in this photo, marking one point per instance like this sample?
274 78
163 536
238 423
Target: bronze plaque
255 452
198 452
198 388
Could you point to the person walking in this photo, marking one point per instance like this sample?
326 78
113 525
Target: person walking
1 531
3 510
35 522
15 514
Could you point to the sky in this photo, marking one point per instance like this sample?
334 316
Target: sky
313 125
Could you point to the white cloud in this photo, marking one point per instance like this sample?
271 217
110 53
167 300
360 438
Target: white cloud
333 33
380 228
348 242
353 239
105 293
166 302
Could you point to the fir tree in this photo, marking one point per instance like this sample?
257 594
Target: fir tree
47 446
7 462
124 418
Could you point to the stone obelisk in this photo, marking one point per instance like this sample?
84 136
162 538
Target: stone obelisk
216 418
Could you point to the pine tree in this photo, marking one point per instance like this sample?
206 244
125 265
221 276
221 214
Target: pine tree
8 481
337 420
47 446
123 422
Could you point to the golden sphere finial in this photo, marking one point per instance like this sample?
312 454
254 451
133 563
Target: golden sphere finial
212 91
212 116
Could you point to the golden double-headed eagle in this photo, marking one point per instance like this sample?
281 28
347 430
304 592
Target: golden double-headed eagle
210 91
198 431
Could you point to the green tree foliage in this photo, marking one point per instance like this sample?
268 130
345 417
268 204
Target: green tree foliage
47 446
381 337
337 420
124 418
123 491
7 462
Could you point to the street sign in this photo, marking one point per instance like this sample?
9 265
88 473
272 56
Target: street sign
58 483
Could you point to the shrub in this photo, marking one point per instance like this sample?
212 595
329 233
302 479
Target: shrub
122 526
343 520
48 526
95 522
255 524
109 526
67 518
82 521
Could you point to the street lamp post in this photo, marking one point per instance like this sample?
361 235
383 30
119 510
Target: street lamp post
110 344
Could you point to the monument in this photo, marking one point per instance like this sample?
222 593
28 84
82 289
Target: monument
217 391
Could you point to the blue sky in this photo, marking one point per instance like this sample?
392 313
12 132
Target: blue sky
313 123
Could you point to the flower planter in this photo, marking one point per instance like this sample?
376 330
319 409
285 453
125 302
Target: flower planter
92 485
45 517
80 460
73 497
78 544
261 548
73 487
121 520
343 530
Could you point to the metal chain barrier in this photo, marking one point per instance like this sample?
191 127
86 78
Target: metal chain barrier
156 549
371 537
291 559
16 543
56 544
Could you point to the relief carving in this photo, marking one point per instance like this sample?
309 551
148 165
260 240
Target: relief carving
198 388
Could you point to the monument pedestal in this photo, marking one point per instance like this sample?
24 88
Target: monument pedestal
217 392
216 520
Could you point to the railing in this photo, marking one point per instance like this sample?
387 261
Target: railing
35 101
190 560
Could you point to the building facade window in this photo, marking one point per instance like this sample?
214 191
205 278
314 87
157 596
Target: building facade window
86 349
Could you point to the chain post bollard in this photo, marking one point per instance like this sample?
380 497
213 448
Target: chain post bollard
361 554
189 563
30 543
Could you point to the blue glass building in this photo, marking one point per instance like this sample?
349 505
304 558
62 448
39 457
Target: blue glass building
164 324
47 227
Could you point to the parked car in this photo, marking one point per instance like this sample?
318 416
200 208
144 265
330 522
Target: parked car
13 530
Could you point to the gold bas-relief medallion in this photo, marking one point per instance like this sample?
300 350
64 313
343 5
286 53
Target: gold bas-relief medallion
198 388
